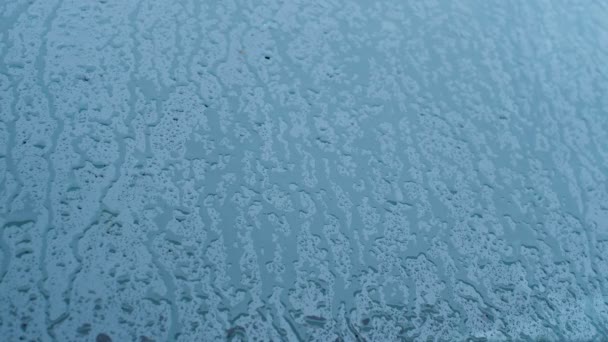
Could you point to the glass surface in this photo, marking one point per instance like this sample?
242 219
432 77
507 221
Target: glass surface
303 170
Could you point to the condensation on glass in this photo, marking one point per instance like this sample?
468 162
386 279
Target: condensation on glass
303 170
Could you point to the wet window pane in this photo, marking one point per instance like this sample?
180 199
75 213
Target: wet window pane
303 170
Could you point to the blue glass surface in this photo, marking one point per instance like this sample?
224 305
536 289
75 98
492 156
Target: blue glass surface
303 170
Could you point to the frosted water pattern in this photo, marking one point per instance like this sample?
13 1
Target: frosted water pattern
303 170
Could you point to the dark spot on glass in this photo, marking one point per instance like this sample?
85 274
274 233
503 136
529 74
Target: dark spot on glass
101 337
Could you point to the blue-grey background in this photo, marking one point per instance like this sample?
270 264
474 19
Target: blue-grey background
303 170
